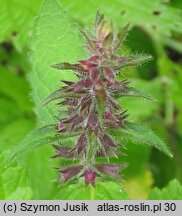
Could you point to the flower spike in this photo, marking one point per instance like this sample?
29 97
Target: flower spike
92 110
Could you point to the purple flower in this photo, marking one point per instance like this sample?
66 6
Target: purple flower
107 141
92 123
112 170
69 172
90 177
64 152
81 144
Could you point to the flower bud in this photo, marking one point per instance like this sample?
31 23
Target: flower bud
90 177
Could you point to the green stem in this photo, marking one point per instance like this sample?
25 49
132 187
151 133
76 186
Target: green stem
92 193
91 150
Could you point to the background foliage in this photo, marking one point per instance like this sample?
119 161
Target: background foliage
54 34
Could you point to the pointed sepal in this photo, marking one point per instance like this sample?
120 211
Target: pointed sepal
121 36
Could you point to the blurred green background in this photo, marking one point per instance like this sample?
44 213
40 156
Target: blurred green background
156 29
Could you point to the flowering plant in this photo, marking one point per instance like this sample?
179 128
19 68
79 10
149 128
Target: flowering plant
91 103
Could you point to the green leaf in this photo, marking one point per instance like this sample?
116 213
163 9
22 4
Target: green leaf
136 60
41 174
173 191
136 157
166 19
134 101
14 132
40 137
16 19
103 191
140 135
55 40
13 182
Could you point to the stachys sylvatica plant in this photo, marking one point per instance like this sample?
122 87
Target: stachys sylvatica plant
91 128
92 109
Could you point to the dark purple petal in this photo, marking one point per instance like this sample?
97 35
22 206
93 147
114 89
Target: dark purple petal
67 82
63 152
121 118
107 141
69 102
86 83
76 122
90 177
89 63
61 127
109 75
118 87
109 116
113 104
112 170
81 144
110 124
94 74
71 120
92 123
102 152
114 120
69 172
86 103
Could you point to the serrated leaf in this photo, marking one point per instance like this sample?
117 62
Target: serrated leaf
39 137
55 40
13 182
135 60
173 191
103 191
140 135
